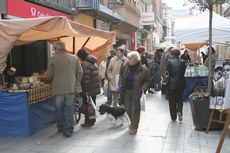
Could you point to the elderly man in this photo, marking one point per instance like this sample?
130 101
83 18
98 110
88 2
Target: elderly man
65 72
135 79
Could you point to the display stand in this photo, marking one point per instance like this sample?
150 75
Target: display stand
226 124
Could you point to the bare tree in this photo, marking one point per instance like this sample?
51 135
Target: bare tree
204 5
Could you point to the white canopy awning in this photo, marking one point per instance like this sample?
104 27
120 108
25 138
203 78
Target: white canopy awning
196 29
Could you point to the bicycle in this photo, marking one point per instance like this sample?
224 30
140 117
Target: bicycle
77 114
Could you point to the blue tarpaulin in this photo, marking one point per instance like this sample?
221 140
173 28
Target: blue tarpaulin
17 118
192 83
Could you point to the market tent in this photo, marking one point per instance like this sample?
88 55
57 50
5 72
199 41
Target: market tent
196 29
165 44
24 31
194 46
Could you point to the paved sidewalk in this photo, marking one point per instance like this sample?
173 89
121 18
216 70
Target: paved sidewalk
157 134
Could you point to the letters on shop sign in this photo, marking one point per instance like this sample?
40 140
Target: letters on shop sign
36 13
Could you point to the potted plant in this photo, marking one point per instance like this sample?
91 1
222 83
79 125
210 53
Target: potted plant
199 102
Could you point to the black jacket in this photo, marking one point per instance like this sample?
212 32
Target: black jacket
176 69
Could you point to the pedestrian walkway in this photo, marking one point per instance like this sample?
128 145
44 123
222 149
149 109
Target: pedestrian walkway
157 134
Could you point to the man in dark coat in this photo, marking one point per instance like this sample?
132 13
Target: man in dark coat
134 80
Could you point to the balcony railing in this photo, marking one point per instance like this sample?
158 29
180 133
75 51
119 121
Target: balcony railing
128 10
88 4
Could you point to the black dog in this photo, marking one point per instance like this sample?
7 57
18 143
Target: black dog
114 113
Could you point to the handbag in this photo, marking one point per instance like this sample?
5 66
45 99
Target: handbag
88 108
165 78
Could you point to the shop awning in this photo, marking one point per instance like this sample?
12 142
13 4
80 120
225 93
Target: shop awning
24 31
196 29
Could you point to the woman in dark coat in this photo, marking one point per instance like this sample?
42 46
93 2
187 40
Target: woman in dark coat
176 68
186 57
154 69
90 81
134 79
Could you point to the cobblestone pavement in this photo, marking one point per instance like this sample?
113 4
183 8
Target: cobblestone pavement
157 134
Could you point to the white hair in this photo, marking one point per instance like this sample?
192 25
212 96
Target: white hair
135 55
60 46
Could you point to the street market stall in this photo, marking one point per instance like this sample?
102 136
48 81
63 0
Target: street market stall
195 30
26 102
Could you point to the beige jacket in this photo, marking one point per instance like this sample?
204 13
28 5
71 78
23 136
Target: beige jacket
65 72
114 69
102 69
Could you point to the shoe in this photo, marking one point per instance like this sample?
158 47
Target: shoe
87 124
132 131
68 134
180 116
130 127
60 130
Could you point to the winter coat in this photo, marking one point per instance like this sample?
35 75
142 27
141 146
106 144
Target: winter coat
65 72
154 69
91 81
141 82
114 69
186 58
102 69
176 69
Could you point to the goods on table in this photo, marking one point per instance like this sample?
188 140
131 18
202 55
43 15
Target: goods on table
199 70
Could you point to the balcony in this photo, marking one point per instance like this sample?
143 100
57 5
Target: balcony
128 10
84 5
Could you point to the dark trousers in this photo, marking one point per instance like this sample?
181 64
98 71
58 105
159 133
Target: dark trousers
87 120
175 102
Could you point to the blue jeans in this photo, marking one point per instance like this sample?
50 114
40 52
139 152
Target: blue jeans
65 105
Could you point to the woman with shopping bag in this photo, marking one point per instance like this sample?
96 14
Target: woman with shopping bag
134 81
90 83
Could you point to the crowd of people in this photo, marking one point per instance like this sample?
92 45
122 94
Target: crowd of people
129 74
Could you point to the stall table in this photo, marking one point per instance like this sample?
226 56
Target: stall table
192 83
26 112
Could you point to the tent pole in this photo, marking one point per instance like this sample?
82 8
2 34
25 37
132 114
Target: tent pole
73 45
86 42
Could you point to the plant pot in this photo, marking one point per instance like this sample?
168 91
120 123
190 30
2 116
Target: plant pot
201 114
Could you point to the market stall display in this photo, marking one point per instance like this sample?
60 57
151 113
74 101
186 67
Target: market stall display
195 76
28 99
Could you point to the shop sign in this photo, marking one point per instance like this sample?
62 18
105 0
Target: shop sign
147 19
62 5
102 25
118 32
29 10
